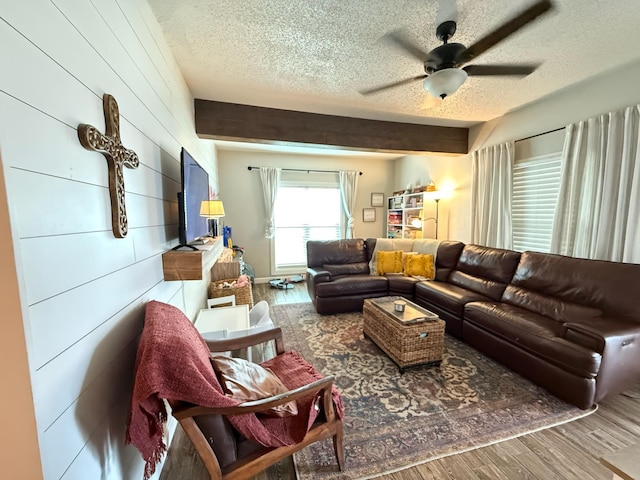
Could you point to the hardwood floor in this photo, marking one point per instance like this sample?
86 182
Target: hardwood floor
570 451
276 296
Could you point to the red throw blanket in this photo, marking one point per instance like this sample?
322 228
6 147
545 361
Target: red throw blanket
173 363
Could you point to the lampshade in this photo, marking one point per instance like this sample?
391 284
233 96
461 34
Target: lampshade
212 209
444 82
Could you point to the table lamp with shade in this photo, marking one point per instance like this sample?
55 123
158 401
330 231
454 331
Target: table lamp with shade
213 210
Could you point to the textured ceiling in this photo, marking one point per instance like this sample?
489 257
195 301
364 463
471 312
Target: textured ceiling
314 55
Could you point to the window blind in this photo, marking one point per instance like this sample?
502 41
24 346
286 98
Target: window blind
536 182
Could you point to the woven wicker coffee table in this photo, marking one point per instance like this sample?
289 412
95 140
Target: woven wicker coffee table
410 338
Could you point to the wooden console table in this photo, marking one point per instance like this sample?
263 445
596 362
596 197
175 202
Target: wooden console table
191 264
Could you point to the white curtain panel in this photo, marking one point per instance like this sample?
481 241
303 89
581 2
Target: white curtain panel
348 190
270 181
598 208
491 192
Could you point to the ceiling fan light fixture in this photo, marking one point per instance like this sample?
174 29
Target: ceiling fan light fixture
444 82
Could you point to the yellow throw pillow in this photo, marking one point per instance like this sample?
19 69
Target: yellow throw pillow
404 257
390 262
420 266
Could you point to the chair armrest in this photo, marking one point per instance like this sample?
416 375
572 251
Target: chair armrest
248 338
181 411
318 275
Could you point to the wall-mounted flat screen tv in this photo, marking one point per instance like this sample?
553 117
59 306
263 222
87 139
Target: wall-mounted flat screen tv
195 189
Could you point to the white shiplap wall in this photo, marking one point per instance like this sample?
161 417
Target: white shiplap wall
82 290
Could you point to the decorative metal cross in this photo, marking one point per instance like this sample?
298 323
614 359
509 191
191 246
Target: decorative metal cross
111 147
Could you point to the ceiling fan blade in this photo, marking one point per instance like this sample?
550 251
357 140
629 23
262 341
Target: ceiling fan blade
370 91
399 39
506 29
488 70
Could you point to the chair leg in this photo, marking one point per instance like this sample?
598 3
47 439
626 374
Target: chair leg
338 445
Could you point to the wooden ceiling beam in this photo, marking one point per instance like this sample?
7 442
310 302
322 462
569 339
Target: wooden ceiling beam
231 121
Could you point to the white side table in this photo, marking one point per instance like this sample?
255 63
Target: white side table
624 463
216 323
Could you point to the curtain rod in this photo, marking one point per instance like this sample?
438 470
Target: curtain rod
304 170
540 134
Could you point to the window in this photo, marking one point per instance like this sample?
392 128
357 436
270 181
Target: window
536 182
302 213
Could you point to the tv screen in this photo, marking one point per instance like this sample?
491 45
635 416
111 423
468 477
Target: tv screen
195 189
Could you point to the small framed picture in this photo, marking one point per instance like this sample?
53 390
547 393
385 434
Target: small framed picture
368 214
377 199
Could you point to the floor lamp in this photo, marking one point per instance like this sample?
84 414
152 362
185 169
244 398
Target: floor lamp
435 196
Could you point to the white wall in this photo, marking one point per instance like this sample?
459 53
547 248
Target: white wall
241 192
82 291
607 92
542 144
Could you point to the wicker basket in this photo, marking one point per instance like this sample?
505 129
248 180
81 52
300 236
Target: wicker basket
244 295
406 344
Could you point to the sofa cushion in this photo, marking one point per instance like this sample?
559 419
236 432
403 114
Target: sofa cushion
491 263
389 262
220 435
447 258
399 284
486 288
346 268
351 285
559 310
335 252
448 297
485 270
609 286
535 333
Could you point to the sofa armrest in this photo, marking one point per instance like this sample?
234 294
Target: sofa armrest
318 275
602 332
618 342
315 276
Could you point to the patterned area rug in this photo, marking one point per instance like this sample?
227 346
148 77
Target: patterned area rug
396 421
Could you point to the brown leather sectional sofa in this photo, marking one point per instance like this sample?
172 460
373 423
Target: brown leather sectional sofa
570 325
